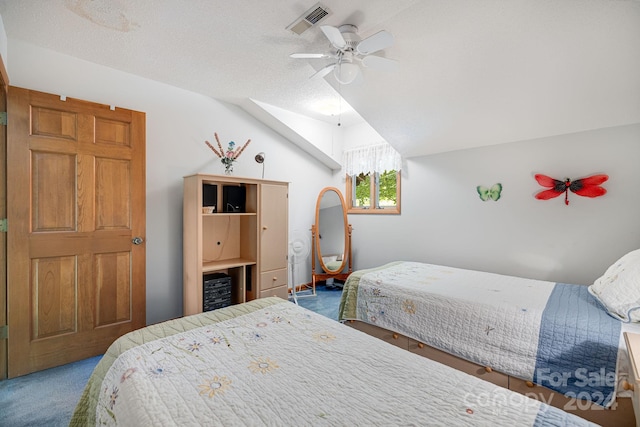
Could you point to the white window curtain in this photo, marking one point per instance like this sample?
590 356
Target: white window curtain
370 159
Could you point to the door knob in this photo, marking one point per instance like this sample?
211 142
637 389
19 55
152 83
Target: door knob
137 240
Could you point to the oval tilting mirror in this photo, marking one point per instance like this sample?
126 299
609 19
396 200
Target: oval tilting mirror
331 242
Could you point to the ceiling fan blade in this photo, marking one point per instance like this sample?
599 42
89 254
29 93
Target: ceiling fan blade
335 36
308 55
374 43
380 63
323 71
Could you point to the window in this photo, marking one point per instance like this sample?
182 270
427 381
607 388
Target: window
369 190
374 193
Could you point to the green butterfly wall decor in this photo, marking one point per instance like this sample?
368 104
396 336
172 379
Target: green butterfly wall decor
492 193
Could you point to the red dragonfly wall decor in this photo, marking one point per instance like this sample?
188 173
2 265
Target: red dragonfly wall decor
587 187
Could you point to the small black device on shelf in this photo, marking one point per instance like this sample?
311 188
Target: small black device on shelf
233 198
209 195
216 291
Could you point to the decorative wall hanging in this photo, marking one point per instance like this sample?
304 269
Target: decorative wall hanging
587 187
492 193
230 155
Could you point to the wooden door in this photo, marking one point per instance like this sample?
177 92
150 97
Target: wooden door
274 245
3 214
76 201
273 217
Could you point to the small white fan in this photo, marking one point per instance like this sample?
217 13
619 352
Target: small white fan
299 248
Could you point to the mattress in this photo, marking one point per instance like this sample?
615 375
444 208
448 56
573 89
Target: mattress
554 334
271 362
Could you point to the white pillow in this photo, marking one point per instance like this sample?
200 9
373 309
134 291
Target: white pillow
619 288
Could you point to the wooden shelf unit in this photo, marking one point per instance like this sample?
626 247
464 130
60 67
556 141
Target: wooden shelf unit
249 245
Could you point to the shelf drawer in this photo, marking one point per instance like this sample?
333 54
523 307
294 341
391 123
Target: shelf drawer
273 279
281 291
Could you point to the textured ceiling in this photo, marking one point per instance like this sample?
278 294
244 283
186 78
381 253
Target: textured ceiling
471 72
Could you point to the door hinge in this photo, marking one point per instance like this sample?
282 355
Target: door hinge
3 225
4 332
3 118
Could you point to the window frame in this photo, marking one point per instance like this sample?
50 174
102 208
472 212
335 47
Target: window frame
373 210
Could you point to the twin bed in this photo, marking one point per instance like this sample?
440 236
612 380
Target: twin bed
271 362
556 342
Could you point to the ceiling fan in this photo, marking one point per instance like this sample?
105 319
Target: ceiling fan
350 50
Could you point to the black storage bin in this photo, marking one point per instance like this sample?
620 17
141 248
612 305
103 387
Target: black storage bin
216 291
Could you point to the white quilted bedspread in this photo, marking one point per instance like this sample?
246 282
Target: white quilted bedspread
508 311
284 365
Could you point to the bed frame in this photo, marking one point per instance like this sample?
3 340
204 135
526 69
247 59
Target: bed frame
621 413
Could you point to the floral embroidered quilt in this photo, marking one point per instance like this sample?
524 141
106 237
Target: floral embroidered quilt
283 365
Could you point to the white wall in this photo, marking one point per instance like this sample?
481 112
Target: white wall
443 220
360 135
178 123
3 43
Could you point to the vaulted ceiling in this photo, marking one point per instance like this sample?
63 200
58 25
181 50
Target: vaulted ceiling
470 72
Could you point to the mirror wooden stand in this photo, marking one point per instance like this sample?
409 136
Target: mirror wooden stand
331 238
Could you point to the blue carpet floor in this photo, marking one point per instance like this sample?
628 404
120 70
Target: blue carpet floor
45 398
326 302
48 398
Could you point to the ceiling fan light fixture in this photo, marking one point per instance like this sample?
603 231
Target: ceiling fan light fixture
346 72
348 48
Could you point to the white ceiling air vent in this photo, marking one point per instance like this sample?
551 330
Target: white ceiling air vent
310 18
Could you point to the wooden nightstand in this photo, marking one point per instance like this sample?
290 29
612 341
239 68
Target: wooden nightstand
632 342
